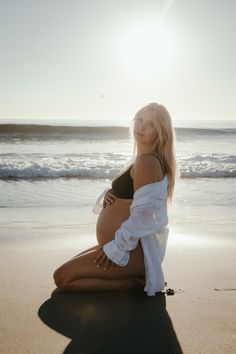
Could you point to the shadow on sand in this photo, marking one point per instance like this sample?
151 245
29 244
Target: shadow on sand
121 322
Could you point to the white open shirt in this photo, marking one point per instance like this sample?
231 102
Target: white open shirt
148 222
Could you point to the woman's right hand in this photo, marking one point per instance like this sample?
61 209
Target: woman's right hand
109 198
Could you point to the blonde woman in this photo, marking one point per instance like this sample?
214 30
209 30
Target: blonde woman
132 226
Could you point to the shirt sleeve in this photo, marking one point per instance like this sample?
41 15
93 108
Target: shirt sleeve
144 220
99 202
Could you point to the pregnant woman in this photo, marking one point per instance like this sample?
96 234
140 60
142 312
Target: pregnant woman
132 226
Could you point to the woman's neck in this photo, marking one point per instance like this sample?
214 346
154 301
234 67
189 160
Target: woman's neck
141 149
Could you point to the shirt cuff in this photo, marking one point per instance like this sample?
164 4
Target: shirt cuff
115 254
99 204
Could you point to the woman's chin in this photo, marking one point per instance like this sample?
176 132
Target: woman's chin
141 140
138 137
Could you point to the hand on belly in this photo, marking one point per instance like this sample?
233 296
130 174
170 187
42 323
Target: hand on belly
110 219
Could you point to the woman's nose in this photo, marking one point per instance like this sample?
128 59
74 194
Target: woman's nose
142 126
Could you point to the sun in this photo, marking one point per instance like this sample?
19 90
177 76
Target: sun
146 48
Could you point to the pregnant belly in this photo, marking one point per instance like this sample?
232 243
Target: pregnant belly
110 219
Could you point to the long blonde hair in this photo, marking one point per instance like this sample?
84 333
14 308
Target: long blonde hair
164 146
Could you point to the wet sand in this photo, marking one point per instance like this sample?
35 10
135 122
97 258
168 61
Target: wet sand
198 318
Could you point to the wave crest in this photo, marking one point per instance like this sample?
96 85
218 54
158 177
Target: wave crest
99 166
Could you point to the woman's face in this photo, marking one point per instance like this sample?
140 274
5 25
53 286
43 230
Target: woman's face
144 129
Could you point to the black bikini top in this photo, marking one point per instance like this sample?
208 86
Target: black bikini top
123 186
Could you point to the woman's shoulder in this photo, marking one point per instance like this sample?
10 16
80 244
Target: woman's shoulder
142 160
147 169
146 156
149 160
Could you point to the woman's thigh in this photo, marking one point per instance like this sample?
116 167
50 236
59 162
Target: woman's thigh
83 266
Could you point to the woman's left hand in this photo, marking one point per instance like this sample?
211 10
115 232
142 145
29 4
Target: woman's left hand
103 261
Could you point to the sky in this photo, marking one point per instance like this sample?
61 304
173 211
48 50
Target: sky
106 59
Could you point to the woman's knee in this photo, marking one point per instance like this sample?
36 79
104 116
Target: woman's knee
60 278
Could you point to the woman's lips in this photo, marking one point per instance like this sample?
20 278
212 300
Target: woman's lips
139 133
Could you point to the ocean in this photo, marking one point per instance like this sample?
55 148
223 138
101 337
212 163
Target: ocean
47 165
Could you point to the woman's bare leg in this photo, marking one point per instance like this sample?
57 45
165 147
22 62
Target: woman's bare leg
99 284
82 274
85 251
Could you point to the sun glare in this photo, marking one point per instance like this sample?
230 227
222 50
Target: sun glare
146 48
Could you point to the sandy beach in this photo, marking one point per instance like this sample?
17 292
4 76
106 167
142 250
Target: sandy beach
87 88
198 318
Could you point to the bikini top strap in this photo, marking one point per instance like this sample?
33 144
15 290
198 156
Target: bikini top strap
162 165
